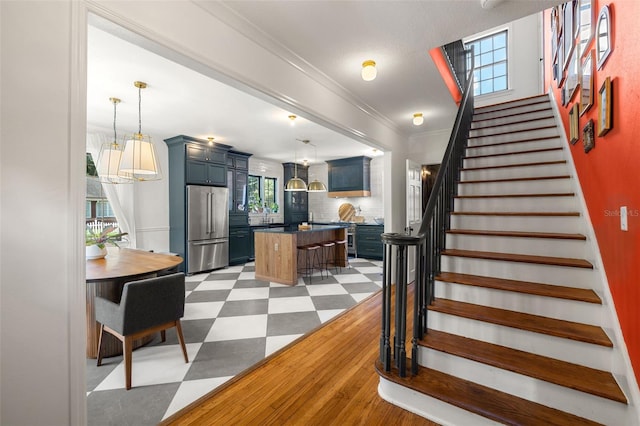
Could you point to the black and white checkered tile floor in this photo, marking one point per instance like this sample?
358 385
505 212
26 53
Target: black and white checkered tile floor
231 322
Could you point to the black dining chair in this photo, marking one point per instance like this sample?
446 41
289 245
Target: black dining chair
147 306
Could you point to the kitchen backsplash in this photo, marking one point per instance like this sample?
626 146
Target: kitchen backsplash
325 209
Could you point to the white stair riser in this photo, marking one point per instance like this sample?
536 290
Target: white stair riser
515 172
521 271
543 186
581 353
549 120
551 395
510 137
525 105
566 224
517 204
474 151
430 408
551 307
509 119
519 245
523 158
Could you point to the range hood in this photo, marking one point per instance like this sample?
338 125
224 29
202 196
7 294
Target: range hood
350 177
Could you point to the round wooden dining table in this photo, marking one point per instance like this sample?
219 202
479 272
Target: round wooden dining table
106 278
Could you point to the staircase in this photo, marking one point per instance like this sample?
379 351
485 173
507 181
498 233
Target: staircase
516 332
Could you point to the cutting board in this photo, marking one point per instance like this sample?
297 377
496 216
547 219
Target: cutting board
346 211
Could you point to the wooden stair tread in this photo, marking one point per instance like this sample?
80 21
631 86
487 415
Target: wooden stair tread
526 287
529 151
481 400
549 214
542 138
546 117
555 194
504 166
529 322
551 235
510 132
535 99
518 179
526 258
531 111
573 376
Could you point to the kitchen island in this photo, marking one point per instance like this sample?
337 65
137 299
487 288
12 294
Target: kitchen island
276 250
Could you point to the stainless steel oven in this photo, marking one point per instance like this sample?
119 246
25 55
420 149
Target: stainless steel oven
351 240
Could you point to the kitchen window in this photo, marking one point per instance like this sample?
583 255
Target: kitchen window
262 194
490 60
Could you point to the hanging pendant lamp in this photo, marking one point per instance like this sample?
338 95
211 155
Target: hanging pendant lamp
110 156
315 185
139 161
295 183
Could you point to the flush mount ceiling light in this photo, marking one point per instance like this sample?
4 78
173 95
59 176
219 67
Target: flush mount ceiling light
418 119
295 183
139 160
110 155
369 71
293 119
210 139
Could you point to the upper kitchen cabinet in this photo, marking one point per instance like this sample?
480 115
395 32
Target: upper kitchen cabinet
203 164
296 203
237 179
350 177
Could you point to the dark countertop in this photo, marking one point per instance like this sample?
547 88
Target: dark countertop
293 229
267 225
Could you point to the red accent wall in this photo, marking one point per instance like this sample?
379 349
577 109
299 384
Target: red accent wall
443 68
610 173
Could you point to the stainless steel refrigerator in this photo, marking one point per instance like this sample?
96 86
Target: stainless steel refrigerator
207 228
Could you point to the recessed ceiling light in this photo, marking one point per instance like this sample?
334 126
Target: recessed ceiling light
369 71
418 119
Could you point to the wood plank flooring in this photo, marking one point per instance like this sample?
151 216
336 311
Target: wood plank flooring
325 378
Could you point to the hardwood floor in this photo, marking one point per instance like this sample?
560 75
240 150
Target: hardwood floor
325 378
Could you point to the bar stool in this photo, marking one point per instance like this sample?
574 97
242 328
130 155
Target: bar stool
340 254
312 260
326 255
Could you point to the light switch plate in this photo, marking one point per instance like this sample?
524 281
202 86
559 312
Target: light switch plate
623 218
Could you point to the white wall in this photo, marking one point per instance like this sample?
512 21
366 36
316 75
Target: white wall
42 128
325 209
525 69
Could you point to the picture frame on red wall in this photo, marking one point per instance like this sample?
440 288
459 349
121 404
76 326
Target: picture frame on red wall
588 139
574 131
586 83
605 95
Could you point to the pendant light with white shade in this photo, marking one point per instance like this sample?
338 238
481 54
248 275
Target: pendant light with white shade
295 183
110 156
139 161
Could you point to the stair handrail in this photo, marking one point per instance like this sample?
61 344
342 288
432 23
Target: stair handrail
428 244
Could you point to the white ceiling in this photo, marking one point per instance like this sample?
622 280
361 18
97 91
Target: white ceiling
331 37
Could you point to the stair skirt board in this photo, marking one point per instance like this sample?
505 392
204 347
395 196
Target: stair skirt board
568 224
534 203
525 123
579 403
430 408
519 245
567 310
545 274
573 351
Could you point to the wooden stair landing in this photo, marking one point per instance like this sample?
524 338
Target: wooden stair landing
525 287
525 258
528 322
484 401
573 376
